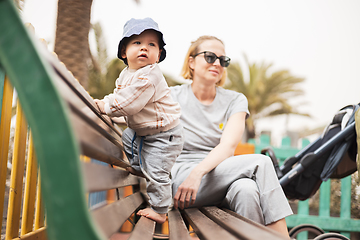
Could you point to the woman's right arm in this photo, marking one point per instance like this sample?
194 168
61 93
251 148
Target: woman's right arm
231 136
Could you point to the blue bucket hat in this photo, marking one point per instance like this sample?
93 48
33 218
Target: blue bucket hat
136 27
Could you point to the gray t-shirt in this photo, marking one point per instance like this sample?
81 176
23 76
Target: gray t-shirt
203 124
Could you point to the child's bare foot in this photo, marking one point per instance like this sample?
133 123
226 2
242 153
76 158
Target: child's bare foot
133 171
151 214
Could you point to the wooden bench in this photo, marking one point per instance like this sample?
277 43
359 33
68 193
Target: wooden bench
67 127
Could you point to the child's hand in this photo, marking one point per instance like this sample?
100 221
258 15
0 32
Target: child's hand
101 105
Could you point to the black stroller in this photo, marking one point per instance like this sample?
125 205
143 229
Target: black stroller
333 155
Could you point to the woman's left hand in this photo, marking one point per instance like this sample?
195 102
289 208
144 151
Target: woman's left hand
186 193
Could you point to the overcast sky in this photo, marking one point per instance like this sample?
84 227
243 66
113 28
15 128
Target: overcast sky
317 40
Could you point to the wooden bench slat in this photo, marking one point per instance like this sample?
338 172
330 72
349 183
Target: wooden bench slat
144 230
91 128
110 177
79 96
111 217
90 136
97 139
205 227
110 153
75 96
240 226
92 121
98 144
68 78
177 227
102 156
71 94
86 110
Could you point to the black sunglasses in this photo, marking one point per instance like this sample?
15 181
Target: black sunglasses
211 57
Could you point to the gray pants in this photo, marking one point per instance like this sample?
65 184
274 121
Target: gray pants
158 155
233 184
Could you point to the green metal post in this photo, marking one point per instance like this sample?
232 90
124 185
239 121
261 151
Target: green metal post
345 206
324 201
305 142
303 210
286 142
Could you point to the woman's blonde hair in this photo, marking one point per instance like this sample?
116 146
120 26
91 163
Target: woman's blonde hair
186 71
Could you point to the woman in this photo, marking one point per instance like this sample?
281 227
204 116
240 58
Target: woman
206 172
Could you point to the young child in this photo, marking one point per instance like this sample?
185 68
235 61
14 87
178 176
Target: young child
154 137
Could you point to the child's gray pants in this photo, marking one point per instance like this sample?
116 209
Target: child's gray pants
158 154
233 184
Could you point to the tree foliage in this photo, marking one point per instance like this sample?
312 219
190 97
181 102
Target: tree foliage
101 84
102 74
268 92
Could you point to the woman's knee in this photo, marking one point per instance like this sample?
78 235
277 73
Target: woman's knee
243 197
244 188
243 161
264 160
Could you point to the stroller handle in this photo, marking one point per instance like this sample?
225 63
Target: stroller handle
286 179
347 133
309 158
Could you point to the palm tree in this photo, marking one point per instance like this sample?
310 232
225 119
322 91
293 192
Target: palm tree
71 40
268 93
